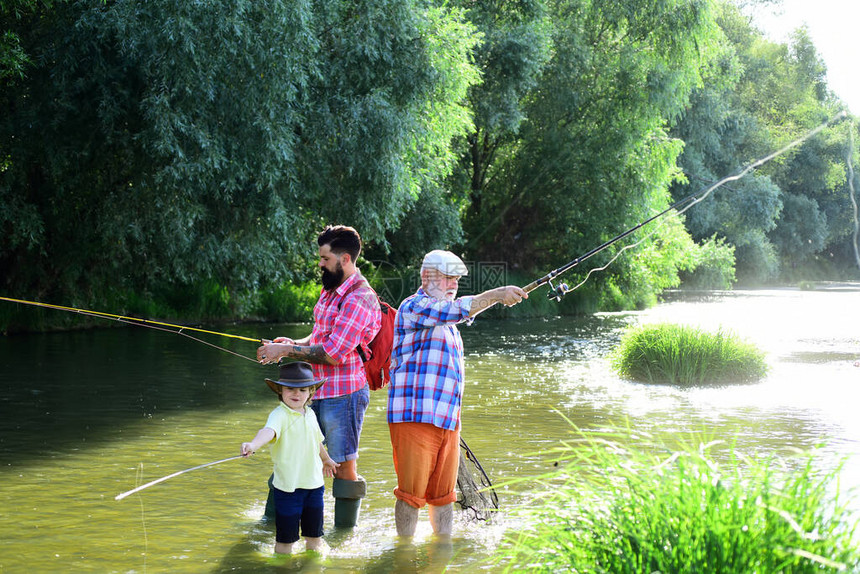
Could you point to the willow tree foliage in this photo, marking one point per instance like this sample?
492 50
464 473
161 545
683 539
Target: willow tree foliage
761 96
13 58
154 147
151 144
513 48
593 157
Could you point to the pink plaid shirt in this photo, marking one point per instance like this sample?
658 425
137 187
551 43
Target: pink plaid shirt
340 324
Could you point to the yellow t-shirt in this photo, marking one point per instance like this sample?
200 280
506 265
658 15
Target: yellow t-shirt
296 449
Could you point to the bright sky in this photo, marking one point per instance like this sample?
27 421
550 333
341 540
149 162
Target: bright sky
833 26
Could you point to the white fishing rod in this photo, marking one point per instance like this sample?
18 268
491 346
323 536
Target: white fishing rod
163 478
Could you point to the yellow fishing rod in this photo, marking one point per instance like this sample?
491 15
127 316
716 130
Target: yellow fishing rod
158 325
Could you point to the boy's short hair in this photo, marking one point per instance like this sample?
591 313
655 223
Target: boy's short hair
341 239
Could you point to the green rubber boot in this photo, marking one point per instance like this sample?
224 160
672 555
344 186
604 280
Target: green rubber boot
347 500
269 513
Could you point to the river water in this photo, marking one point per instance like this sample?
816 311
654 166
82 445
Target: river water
85 416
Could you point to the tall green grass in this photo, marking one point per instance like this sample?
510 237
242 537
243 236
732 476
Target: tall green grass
628 505
677 354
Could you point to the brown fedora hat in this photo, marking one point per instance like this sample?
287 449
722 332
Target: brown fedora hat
296 375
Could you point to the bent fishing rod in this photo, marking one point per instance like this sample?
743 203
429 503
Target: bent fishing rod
157 325
558 291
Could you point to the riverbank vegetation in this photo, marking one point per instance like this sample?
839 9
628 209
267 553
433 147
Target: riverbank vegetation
685 355
180 158
624 504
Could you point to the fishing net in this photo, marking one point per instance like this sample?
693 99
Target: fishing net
476 490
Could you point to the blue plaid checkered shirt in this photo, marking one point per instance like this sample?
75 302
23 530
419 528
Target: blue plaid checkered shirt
427 364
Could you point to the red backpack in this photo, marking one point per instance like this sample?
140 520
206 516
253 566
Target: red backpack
377 367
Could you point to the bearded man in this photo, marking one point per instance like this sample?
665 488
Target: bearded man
344 318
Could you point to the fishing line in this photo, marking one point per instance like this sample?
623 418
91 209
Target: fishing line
691 200
143 519
157 325
851 193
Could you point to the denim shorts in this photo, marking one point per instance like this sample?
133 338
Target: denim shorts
340 420
301 507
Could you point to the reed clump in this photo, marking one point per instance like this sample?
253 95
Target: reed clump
683 355
623 510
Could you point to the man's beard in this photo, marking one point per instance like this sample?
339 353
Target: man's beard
436 291
331 280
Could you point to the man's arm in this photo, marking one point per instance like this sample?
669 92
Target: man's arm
348 326
509 295
270 353
303 341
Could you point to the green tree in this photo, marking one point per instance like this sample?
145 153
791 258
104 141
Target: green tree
761 96
593 157
514 46
155 145
13 58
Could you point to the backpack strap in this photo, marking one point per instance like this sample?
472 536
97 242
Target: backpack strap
355 287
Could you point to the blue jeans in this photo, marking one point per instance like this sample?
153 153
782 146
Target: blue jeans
341 419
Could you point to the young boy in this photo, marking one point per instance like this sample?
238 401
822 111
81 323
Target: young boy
299 457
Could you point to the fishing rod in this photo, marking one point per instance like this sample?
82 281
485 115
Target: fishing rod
163 478
157 325
558 291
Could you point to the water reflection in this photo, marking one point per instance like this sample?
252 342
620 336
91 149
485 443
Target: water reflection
87 415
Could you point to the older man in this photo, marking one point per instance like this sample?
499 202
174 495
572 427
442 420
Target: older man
426 389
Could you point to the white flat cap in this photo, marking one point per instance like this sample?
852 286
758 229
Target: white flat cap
445 262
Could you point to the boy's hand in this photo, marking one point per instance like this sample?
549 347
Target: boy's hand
246 449
329 466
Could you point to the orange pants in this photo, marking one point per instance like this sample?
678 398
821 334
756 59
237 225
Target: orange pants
426 460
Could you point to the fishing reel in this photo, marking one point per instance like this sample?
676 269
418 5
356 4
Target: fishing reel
557 292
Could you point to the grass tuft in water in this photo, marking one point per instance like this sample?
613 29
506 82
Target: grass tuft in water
652 509
682 355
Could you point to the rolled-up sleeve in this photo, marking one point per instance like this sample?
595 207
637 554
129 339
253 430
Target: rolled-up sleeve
427 312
